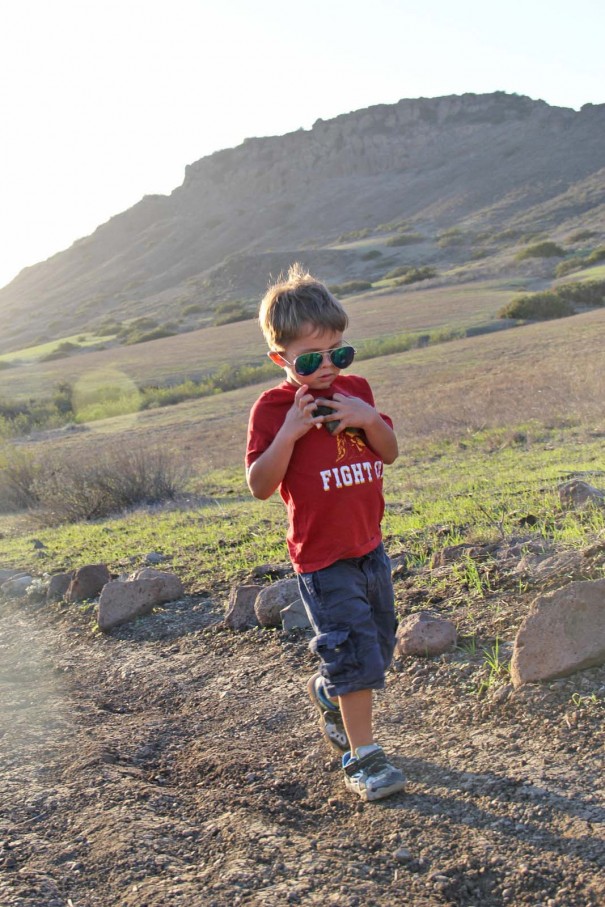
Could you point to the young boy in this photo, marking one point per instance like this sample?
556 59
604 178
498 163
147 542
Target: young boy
318 438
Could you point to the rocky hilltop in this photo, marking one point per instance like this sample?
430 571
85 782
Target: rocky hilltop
472 162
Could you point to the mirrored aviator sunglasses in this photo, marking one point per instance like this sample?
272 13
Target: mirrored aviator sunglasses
307 363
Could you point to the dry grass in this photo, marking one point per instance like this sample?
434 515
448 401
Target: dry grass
172 359
550 372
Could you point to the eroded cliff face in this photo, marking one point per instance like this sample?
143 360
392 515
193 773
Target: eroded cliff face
434 162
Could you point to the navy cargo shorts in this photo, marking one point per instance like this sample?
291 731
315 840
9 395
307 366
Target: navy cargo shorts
351 608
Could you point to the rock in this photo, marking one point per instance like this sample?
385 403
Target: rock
87 582
273 599
271 571
452 553
38 544
399 566
16 586
563 632
240 610
295 617
403 855
121 602
576 493
58 586
5 575
154 558
425 634
562 565
168 586
37 589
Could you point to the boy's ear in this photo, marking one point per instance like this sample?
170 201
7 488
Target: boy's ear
277 358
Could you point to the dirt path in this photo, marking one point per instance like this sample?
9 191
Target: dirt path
174 764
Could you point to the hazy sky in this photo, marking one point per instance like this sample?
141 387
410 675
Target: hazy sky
104 101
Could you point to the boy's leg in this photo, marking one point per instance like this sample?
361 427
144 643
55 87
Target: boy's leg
356 709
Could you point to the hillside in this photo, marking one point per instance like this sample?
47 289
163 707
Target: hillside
463 178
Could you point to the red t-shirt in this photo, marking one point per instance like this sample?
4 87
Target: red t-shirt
333 485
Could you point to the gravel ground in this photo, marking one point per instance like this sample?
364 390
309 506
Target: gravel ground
174 762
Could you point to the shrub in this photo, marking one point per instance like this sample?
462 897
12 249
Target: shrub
413 275
537 307
154 334
76 488
404 239
350 287
557 303
192 309
354 234
581 236
568 266
595 256
452 237
61 351
228 312
18 472
546 249
371 255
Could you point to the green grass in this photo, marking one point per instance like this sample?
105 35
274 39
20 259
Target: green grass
36 353
436 494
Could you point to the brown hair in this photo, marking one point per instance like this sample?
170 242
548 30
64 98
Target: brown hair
299 299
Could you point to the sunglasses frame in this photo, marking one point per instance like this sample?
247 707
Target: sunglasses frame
321 353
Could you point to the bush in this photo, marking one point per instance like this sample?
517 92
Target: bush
595 256
558 303
416 274
567 267
545 249
72 489
192 309
404 239
452 237
581 236
371 255
228 312
18 472
537 307
61 351
350 287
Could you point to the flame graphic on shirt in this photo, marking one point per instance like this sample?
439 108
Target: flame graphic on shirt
349 441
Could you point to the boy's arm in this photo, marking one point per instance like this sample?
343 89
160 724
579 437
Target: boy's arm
266 473
353 412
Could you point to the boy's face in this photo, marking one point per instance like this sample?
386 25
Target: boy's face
311 340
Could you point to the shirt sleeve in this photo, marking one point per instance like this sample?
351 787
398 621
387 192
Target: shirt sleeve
262 428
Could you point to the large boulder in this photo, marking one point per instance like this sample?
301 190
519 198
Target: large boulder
87 582
272 600
563 632
240 610
121 602
425 634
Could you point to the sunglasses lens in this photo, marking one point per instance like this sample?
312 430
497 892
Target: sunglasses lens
343 356
307 363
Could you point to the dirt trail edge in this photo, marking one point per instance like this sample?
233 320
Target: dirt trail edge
173 763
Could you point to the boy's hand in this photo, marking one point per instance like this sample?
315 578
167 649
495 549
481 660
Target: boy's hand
351 412
299 418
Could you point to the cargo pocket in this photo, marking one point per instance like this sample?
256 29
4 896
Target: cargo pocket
337 653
